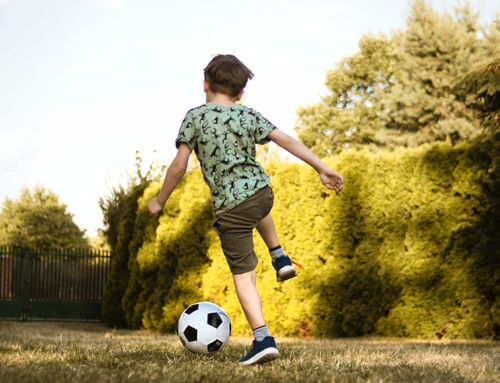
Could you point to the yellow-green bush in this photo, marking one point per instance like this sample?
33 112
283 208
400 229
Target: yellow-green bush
409 248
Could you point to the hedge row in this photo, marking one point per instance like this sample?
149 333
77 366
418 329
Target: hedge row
409 248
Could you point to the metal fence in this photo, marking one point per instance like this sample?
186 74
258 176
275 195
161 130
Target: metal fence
51 283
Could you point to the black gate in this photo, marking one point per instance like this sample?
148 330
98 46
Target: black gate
52 284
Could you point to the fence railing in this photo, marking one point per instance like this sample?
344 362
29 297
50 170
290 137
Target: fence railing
52 283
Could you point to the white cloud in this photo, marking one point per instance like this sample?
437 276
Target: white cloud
2 2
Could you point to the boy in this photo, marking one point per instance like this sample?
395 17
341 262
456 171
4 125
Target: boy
223 135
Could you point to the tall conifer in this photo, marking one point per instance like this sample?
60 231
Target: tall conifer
401 91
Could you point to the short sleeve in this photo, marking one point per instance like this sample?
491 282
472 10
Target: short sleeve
187 132
263 128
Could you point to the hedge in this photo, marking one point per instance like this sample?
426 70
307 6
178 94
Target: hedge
409 248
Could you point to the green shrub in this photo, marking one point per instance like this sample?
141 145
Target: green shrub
119 212
409 248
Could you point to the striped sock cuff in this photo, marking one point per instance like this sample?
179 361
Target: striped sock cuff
276 252
260 333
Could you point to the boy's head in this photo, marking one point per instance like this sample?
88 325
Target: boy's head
227 75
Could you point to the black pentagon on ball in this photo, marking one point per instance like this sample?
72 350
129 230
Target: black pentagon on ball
214 346
191 334
191 309
214 320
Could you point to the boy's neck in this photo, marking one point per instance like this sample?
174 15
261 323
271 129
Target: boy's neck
220 98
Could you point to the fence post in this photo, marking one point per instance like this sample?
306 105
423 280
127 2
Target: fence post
6 267
27 265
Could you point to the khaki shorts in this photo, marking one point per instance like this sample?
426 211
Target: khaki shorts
235 229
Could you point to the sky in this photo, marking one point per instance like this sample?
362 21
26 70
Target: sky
84 84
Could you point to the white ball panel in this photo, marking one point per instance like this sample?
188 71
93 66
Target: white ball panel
206 334
222 333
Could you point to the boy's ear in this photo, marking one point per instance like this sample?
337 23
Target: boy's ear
238 97
205 86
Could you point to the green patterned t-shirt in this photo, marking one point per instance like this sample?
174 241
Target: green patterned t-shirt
224 139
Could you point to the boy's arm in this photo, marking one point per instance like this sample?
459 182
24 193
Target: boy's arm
175 172
331 179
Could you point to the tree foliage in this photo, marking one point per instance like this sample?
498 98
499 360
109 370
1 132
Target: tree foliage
400 91
38 219
482 87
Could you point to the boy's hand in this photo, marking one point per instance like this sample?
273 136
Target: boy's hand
155 207
331 179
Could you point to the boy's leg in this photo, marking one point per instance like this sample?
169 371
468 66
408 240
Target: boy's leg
249 298
281 261
263 347
267 231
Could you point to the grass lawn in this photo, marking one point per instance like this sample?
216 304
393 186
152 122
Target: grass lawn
89 352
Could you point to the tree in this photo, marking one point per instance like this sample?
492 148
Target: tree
399 91
349 116
433 52
38 219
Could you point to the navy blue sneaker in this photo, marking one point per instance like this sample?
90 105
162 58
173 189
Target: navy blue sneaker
284 268
261 352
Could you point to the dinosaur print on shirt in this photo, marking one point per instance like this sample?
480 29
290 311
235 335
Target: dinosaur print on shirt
224 139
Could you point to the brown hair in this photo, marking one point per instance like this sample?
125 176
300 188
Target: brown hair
227 75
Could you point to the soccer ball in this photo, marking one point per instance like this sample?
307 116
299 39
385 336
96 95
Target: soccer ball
204 328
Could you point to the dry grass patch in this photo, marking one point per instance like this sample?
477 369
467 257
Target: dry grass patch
62 352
